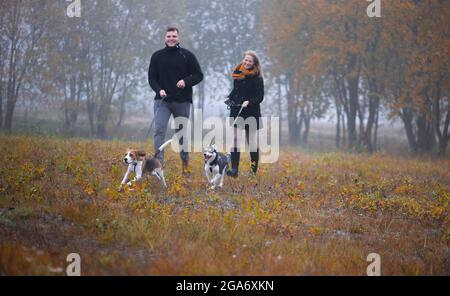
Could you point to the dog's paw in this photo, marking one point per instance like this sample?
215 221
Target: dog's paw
131 187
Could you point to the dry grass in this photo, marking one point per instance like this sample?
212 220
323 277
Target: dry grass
307 214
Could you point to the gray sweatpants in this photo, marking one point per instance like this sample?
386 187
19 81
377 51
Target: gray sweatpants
163 110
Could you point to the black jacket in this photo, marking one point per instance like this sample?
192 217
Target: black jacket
170 65
248 89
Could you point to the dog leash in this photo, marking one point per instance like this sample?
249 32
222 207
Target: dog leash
239 113
156 112
230 103
153 120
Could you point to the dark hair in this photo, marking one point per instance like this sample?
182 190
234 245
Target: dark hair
169 29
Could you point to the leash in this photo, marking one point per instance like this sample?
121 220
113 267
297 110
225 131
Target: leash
153 120
156 112
239 113
228 154
230 103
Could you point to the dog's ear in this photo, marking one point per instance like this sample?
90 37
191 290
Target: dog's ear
140 155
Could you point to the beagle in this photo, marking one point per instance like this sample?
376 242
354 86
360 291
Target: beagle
137 162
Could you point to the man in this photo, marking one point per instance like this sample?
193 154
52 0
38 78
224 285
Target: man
172 73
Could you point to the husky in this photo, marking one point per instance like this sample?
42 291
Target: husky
216 165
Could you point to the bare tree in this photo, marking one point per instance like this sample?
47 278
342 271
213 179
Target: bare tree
23 28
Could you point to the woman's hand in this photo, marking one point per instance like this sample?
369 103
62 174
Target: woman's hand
245 104
181 84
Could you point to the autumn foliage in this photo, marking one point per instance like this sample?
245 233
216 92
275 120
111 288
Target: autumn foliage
398 62
307 214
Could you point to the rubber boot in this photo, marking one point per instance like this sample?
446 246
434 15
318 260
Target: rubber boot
254 156
235 156
185 163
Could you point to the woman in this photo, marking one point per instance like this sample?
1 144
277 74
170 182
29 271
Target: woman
246 97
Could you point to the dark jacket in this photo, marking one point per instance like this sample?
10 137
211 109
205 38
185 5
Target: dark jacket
170 65
248 89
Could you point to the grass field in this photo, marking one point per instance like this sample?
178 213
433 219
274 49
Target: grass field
308 214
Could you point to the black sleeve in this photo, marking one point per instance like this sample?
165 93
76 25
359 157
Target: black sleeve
195 72
259 85
232 91
153 75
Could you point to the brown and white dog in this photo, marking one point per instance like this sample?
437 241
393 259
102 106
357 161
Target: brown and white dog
138 163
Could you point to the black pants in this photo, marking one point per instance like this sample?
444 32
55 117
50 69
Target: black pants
236 154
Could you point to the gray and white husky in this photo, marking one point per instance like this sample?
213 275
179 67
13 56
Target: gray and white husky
216 165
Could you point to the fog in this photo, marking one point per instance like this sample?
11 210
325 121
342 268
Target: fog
333 72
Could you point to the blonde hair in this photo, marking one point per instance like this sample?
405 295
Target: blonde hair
256 62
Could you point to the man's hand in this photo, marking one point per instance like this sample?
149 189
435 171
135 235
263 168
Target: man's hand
162 93
181 84
245 104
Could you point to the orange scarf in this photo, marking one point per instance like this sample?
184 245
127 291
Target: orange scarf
240 72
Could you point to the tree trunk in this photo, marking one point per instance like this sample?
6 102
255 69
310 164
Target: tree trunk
280 111
338 124
353 84
90 105
443 136
71 104
374 101
425 134
293 124
360 112
306 121
443 144
2 66
344 131
375 133
122 101
1 101
10 106
406 117
339 102
102 117
12 77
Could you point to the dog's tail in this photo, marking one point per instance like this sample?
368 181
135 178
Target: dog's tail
161 148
